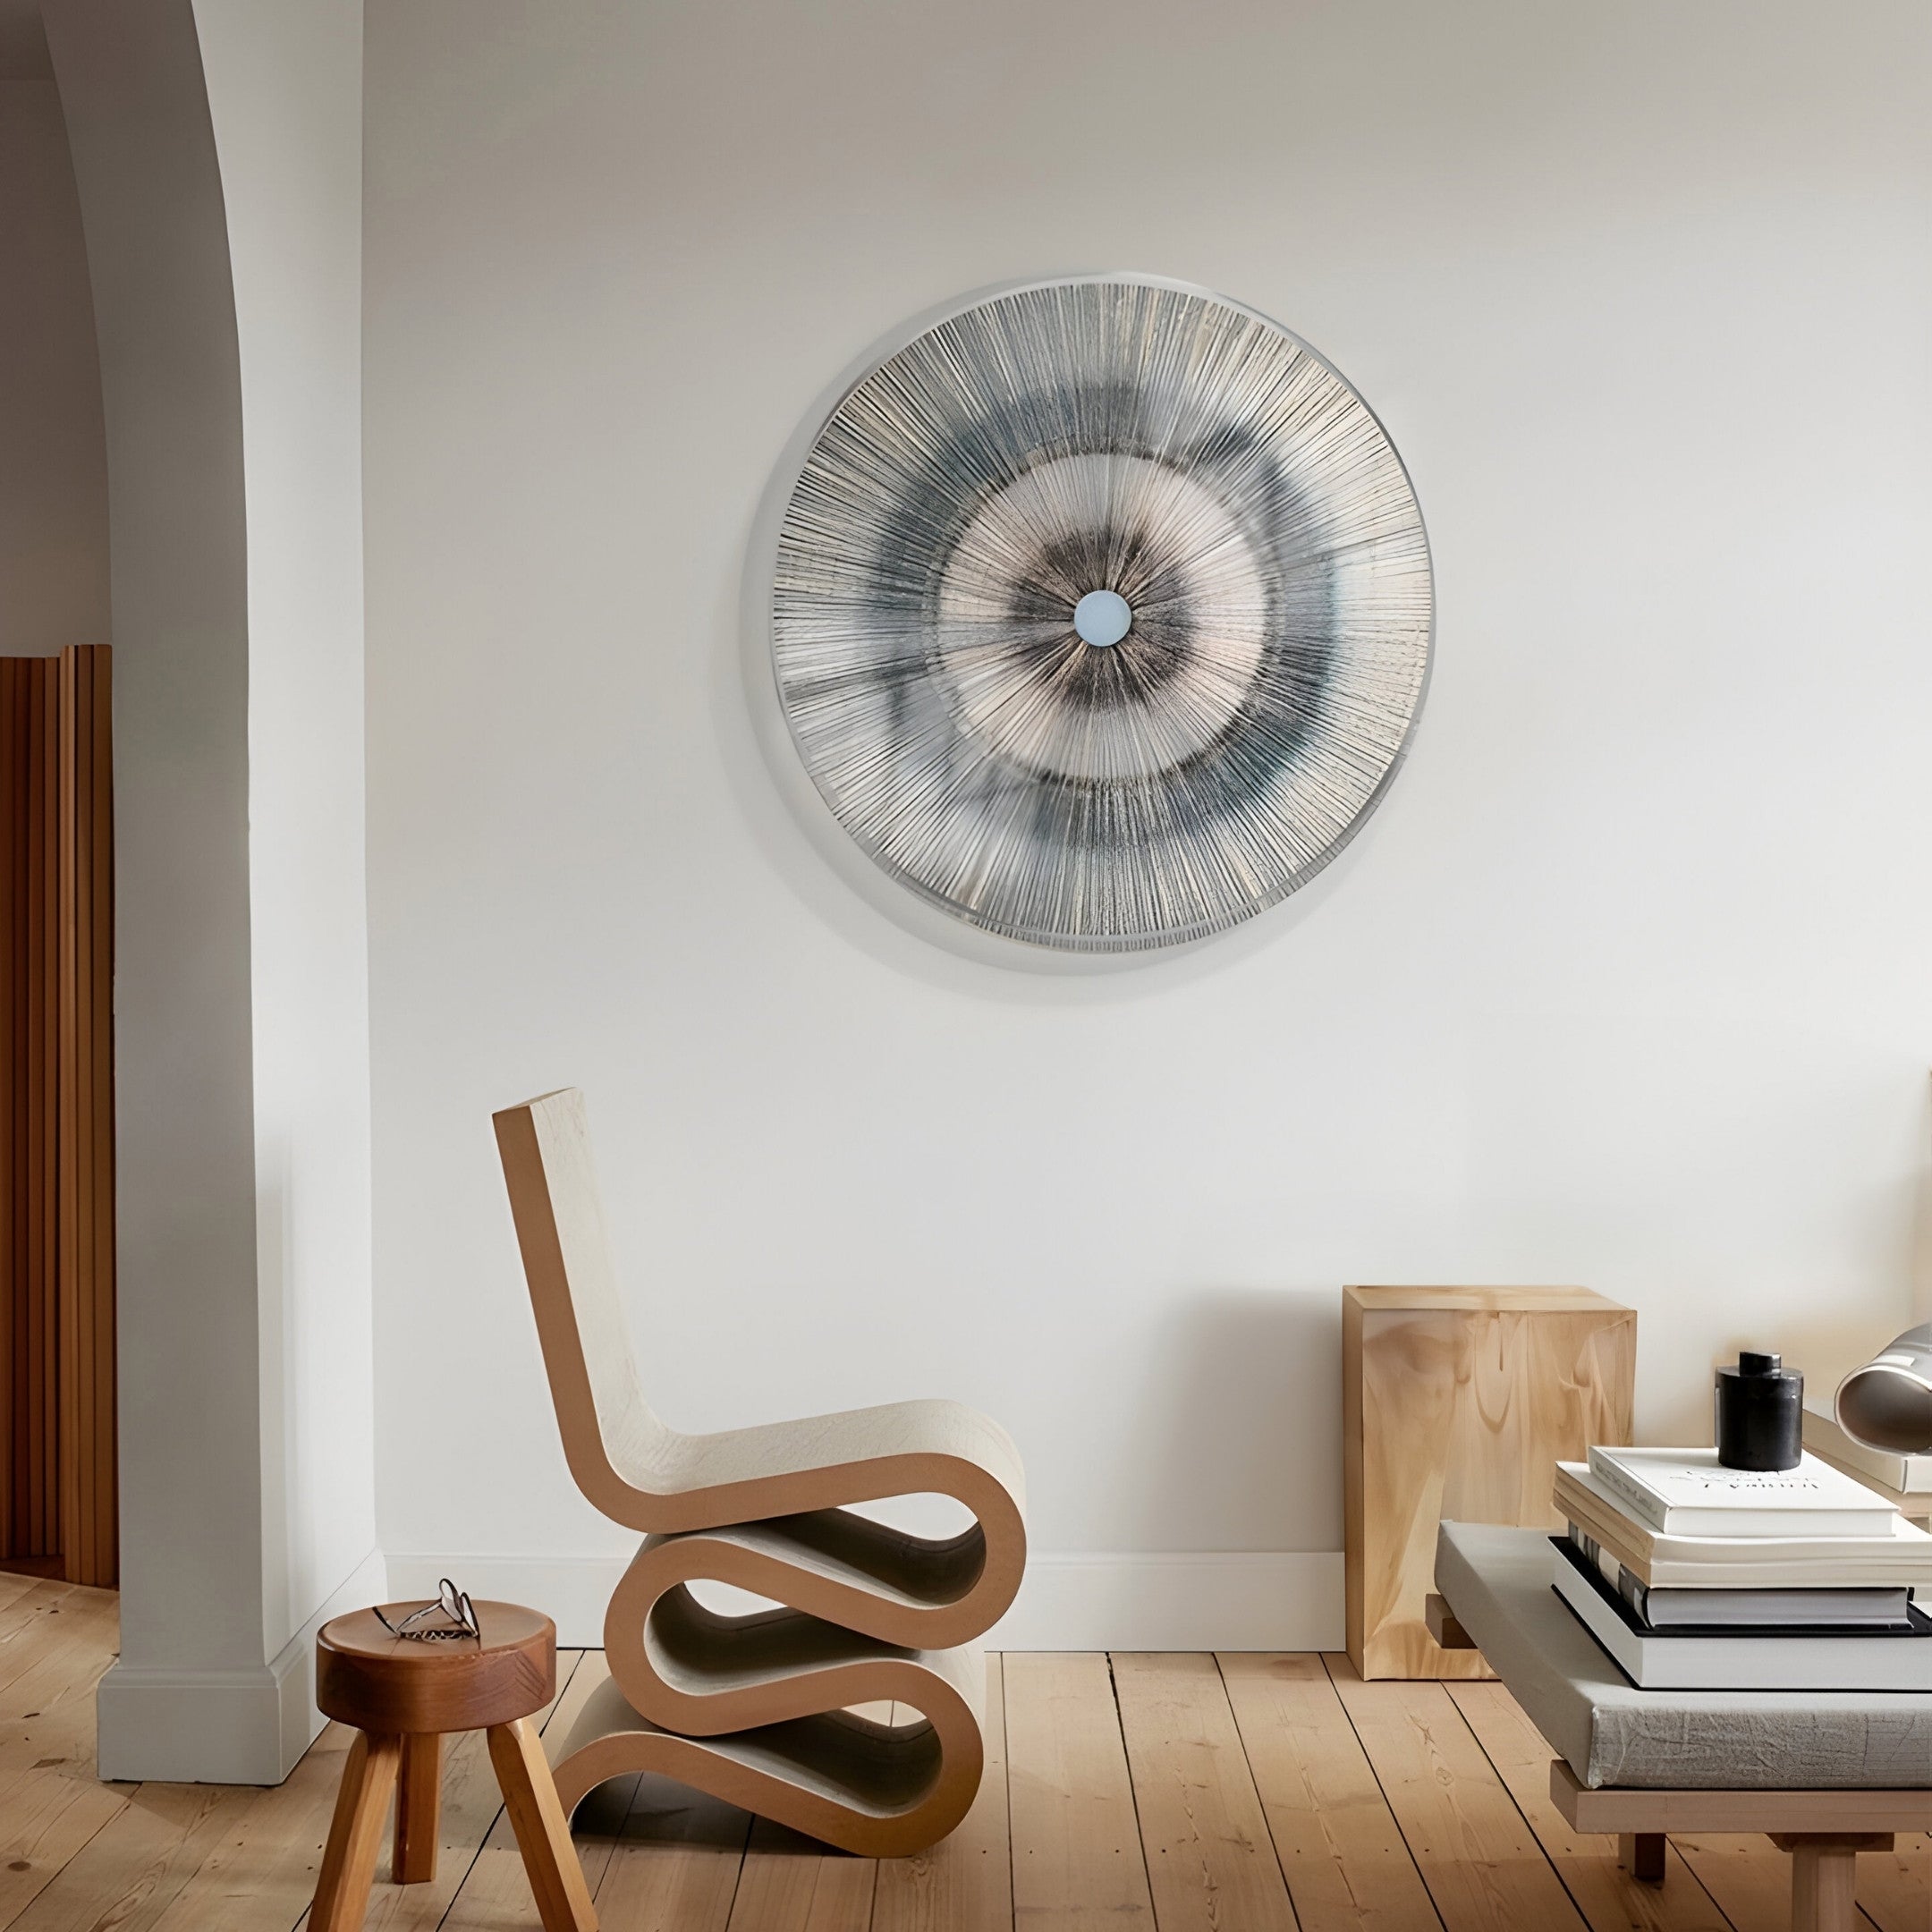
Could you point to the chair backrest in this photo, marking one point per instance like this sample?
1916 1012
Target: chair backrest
610 1435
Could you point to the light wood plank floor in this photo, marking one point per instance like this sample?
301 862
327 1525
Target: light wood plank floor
1162 1793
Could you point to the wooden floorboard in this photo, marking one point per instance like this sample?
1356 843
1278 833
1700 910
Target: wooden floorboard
15 1584
1481 1862
1609 1899
129 1874
675 1863
50 1638
1211 1861
261 1873
793 1883
56 1641
965 1883
1341 1849
1076 1862
1152 1793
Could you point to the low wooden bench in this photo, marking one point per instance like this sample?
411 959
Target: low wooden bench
1854 1766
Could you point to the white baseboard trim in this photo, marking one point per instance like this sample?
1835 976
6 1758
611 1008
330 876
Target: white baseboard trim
248 1724
1182 1600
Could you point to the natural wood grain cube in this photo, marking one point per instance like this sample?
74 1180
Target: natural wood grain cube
1456 1402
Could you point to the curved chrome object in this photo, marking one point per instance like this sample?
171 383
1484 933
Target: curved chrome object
1887 1404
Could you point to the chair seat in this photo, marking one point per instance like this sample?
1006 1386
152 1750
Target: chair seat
851 1456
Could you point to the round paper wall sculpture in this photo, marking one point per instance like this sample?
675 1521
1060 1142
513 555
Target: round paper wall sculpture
1102 613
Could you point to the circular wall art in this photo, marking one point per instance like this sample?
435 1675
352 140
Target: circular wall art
1102 613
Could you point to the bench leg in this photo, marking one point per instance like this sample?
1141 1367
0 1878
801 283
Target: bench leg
419 1811
1825 1876
1641 1855
542 1830
355 1832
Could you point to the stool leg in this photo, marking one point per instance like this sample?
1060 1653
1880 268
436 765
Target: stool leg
543 1832
1641 1855
348 1863
419 1811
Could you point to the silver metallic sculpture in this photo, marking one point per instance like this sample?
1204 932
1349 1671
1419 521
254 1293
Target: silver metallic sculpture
1102 613
1887 1404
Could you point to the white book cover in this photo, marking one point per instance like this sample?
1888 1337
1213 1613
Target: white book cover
1689 1492
1903 1559
1754 1660
1911 1475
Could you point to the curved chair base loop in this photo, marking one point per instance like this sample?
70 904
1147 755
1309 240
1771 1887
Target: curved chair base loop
873 1789
851 1571
701 1673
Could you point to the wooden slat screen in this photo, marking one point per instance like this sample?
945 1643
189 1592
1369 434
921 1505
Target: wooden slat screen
86 1237
57 1488
30 1321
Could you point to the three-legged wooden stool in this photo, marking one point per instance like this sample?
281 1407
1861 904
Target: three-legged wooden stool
401 1696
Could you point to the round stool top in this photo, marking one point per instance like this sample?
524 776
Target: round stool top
376 1681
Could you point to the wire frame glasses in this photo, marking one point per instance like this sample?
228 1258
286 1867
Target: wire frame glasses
452 1605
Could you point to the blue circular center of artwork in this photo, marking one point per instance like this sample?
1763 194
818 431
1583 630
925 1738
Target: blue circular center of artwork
1103 617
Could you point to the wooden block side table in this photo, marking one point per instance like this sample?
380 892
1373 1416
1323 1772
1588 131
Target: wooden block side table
403 1695
1456 1402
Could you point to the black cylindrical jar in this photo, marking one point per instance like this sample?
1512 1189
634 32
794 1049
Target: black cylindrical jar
1760 1414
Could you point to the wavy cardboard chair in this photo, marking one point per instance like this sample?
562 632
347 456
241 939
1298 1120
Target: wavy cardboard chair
756 1709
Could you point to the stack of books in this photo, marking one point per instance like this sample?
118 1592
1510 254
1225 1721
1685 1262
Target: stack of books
1693 1576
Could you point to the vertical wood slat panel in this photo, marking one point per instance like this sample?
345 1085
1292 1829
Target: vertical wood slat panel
37 1524
13 995
57 1443
50 1351
90 1540
106 1520
75 1227
29 1518
49 1355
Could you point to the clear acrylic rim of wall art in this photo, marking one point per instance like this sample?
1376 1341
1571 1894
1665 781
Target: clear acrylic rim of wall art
1074 948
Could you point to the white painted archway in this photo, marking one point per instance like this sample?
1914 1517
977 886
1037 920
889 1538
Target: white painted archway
217 154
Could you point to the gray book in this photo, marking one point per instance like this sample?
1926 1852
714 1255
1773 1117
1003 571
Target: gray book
1898 1657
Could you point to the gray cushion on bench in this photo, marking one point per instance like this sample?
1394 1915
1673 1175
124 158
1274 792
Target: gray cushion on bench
1497 1581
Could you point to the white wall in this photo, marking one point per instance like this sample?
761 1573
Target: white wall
1625 984
53 447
